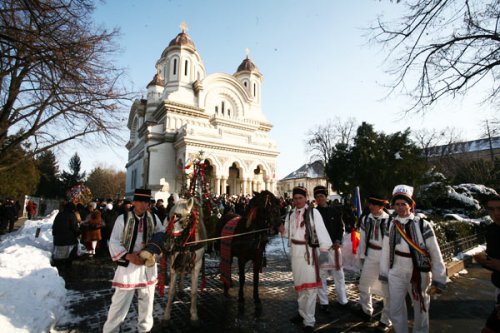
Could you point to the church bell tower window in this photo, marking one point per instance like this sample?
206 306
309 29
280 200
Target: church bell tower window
175 67
185 68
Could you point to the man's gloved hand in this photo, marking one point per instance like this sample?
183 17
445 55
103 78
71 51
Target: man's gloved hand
323 258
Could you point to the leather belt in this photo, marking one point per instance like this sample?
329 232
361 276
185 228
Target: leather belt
375 247
298 242
403 254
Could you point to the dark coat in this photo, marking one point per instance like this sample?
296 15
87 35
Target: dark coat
332 217
65 228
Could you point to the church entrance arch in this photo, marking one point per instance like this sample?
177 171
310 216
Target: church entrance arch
209 175
234 179
259 178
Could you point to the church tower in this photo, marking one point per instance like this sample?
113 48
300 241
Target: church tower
180 66
250 77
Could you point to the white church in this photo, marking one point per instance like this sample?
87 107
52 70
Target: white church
190 115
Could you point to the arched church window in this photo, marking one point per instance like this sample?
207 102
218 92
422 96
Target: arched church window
186 68
228 112
234 170
133 130
175 67
245 83
216 109
222 107
254 89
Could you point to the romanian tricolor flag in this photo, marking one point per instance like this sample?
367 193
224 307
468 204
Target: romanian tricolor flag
355 235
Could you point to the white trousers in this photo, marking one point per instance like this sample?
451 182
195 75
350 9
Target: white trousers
399 286
339 280
120 304
307 305
94 245
365 299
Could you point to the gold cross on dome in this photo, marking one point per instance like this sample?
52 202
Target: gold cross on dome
183 26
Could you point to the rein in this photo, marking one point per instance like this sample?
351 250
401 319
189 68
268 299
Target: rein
223 237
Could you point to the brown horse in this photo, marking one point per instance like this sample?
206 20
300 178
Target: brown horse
250 237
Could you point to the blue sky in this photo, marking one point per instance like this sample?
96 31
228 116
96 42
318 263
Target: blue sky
315 57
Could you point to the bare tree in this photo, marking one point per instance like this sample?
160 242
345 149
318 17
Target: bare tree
322 139
106 182
438 143
491 131
57 82
451 45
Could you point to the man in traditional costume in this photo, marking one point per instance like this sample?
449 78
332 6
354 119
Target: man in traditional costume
332 219
131 231
306 233
373 227
410 252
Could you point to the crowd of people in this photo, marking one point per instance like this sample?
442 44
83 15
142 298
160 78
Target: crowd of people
398 251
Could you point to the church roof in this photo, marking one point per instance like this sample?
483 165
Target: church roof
182 39
247 65
157 81
309 170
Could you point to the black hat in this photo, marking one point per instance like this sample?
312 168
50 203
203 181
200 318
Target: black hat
142 195
299 190
320 189
377 200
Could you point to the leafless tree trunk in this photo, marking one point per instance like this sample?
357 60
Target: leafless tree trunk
57 82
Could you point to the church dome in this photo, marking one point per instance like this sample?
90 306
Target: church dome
157 81
247 65
182 39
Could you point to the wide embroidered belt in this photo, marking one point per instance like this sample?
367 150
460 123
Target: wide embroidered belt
374 246
298 242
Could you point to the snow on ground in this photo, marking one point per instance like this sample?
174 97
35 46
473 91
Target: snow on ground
32 294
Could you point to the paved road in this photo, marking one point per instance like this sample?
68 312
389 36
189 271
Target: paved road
462 309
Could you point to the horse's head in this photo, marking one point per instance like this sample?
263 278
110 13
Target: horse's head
180 214
264 210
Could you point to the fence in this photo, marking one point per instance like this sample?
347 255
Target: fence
42 206
449 250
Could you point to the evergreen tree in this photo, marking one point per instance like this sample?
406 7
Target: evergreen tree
74 177
21 180
376 162
50 185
